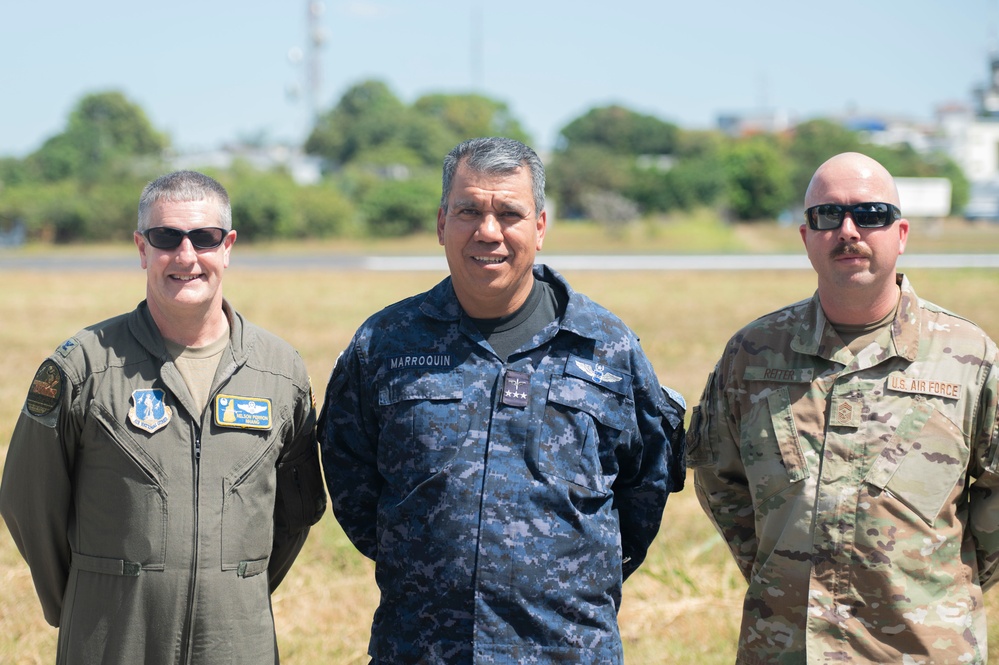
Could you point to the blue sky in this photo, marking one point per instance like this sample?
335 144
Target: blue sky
210 71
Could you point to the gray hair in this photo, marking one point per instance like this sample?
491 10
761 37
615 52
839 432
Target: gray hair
184 186
494 155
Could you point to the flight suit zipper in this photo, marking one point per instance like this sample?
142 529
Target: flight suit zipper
192 587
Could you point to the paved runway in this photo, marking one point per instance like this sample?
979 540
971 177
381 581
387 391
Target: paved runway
14 260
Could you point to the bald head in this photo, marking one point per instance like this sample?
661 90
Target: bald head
851 177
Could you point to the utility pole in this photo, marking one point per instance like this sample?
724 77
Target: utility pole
316 39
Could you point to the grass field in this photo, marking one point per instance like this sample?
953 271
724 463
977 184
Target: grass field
681 607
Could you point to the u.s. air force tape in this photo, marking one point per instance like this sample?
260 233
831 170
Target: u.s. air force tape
46 389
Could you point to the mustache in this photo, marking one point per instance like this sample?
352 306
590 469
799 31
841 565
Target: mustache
850 249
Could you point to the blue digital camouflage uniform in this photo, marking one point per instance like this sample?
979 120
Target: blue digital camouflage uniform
503 503
856 492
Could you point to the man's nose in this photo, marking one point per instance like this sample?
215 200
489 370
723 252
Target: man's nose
848 230
489 228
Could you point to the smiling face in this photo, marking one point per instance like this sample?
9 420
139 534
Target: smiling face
855 266
491 234
184 284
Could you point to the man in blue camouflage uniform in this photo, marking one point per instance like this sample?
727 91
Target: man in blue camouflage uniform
845 447
500 445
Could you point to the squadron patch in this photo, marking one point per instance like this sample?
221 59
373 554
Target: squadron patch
149 411
46 389
242 412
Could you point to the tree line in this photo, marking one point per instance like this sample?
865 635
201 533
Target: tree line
381 168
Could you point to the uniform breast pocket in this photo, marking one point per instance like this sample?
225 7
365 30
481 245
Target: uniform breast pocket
771 448
421 424
923 465
248 492
120 494
582 428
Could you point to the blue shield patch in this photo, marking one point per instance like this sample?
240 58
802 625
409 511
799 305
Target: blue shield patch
149 412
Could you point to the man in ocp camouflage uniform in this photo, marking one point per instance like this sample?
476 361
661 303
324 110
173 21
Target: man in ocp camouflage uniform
845 447
499 445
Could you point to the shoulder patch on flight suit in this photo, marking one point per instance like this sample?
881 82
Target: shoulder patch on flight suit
149 412
242 412
46 389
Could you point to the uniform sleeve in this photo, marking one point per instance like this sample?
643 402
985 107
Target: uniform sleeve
652 468
719 475
36 490
300 500
348 442
983 522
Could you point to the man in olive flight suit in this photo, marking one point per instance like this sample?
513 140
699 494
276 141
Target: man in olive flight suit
163 474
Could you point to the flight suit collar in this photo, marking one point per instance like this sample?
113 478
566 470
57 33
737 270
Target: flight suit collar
145 331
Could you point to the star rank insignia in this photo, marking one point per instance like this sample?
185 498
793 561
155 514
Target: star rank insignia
515 388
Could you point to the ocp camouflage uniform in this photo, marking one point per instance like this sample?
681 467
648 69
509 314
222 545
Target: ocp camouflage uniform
857 493
503 502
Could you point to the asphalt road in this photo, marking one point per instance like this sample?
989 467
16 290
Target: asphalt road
13 260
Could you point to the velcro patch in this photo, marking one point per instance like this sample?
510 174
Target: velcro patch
920 386
779 374
611 378
242 412
149 410
46 389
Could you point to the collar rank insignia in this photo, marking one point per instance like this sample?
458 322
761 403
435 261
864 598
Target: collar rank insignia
516 386
149 412
242 412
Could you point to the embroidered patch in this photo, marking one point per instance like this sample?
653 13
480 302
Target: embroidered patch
778 374
908 384
515 388
46 389
67 346
609 377
242 412
420 360
149 412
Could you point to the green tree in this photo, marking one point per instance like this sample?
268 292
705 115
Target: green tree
691 177
812 143
620 131
468 116
371 125
758 177
579 171
401 207
104 137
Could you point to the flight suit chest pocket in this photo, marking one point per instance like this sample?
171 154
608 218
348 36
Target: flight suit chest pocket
771 447
421 422
119 485
582 428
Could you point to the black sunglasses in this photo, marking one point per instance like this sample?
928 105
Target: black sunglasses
829 216
165 237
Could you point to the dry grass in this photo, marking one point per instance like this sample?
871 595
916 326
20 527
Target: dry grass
682 606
